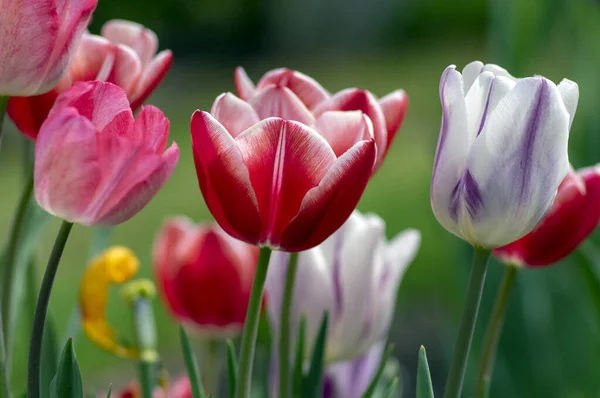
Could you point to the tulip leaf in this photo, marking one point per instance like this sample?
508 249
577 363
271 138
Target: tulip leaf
49 364
424 386
314 379
373 385
298 375
390 391
191 365
109 393
67 382
232 367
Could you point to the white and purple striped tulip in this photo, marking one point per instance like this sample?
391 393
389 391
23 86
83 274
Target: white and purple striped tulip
354 276
501 153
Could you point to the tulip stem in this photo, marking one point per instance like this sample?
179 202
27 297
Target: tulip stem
8 273
284 335
493 332
242 388
3 105
39 319
458 366
4 380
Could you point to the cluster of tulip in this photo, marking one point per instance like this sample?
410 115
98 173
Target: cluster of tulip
281 166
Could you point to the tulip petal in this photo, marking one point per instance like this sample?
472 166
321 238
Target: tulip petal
66 162
569 92
127 69
325 207
234 114
470 73
394 107
93 61
224 178
285 160
344 129
152 74
276 101
477 101
310 92
243 84
151 129
530 124
29 113
133 35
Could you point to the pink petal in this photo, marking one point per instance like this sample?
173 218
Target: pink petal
243 85
353 99
285 160
276 101
28 113
127 69
310 92
67 170
327 206
142 40
344 129
93 61
394 107
152 75
144 177
233 113
151 129
224 179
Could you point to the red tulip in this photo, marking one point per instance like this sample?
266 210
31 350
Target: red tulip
386 114
180 388
277 182
95 164
204 274
125 55
572 218
37 42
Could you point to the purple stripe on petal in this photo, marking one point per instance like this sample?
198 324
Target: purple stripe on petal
445 118
337 265
466 189
485 109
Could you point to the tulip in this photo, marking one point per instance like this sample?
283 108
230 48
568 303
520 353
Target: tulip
95 164
309 97
277 182
37 42
572 218
180 388
125 55
353 276
501 154
204 275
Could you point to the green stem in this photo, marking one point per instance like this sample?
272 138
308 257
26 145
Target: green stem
242 388
4 381
458 366
8 275
37 333
211 367
493 332
284 335
3 105
148 377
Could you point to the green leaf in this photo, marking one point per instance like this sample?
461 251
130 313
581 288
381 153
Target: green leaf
191 365
390 392
49 365
314 379
298 375
424 387
373 385
67 382
232 367
109 393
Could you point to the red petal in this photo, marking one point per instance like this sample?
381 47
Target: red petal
326 207
310 92
275 101
394 107
243 85
285 160
29 113
152 75
224 179
344 129
233 113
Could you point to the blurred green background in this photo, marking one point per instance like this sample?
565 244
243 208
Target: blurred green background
550 346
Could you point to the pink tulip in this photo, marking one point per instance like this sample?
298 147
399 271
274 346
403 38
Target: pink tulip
205 275
37 41
95 164
386 114
278 182
125 55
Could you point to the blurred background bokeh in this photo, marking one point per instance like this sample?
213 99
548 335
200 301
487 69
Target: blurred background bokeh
551 342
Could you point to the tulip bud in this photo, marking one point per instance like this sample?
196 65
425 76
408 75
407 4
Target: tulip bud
502 152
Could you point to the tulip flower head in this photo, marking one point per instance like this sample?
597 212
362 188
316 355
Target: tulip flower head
572 218
37 41
501 154
353 276
278 182
293 95
95 164
205 275
115 265
124 55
